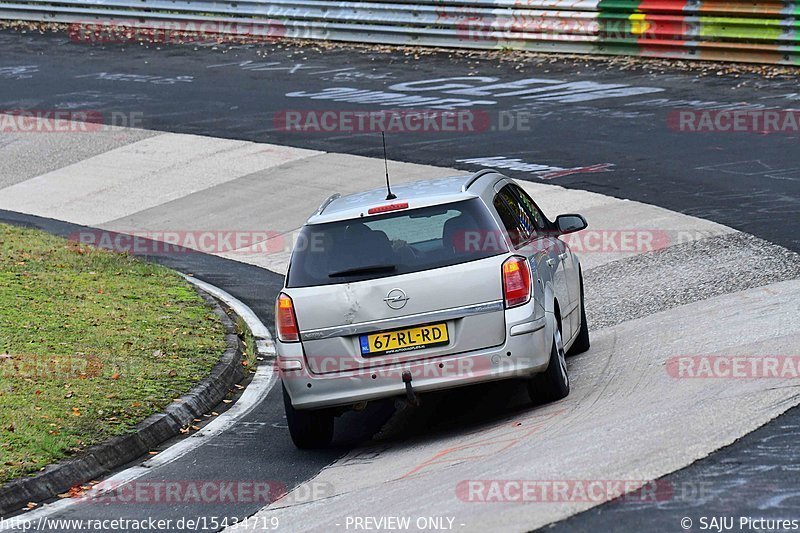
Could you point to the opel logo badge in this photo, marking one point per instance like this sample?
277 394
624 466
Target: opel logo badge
396 299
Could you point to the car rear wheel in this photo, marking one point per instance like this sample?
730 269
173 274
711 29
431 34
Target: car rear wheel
581 343
309 428
552 384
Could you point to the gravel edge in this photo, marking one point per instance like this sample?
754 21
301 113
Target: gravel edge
103 458
639 286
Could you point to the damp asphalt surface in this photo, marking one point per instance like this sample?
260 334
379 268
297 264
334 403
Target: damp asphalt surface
580 125
565 119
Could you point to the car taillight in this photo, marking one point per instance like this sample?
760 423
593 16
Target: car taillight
285 320
516 281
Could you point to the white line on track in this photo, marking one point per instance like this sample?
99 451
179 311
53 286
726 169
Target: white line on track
262 383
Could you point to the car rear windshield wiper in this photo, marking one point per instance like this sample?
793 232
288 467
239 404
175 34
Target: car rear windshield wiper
373 269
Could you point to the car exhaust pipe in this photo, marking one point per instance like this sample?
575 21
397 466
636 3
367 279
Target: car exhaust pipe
411 397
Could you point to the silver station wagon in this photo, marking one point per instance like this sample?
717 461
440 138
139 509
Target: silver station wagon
451 282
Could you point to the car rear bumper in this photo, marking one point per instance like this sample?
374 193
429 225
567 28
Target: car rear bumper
525 352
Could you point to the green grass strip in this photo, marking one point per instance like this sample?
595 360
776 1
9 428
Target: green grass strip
91 343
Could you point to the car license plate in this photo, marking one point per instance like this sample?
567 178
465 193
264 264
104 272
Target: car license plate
404 340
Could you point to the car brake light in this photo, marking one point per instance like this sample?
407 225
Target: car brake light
285 320
516 281
387 208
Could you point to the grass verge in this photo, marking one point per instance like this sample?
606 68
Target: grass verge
91 343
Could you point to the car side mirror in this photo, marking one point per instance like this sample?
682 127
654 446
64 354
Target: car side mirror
570 223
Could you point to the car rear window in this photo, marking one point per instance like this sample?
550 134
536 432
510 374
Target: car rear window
400 242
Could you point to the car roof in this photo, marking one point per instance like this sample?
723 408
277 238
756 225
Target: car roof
421 193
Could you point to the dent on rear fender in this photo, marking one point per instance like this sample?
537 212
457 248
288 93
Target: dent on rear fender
549 313
549 298
353 304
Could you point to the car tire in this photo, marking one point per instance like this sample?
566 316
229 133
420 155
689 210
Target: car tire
309 428
552 384
581 343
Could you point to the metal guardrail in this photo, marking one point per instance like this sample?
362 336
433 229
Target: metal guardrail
739 30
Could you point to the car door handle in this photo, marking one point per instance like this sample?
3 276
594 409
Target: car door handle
551 262
562 256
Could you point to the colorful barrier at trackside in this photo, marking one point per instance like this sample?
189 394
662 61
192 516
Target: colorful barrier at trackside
764 32
753 31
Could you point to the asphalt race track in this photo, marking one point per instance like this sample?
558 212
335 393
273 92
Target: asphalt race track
749 181
614 139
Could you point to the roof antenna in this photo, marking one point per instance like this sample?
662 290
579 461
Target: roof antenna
389 196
